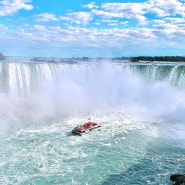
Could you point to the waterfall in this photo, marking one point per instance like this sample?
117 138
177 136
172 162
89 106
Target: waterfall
24 78
173 74
40 90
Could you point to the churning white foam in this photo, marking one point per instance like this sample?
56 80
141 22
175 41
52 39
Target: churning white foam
44 91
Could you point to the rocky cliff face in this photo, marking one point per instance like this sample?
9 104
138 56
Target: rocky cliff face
2 57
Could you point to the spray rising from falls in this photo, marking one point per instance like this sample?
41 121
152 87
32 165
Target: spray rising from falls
56 89
137 105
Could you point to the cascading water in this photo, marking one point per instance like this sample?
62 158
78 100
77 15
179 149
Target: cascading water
140 107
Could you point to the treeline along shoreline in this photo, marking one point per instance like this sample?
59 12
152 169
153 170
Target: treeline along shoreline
131 59
158 58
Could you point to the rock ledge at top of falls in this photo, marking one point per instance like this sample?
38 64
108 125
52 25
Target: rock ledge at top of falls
178 179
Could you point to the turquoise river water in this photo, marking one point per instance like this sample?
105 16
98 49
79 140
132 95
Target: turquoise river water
139 106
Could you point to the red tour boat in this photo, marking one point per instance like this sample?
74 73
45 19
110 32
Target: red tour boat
85 127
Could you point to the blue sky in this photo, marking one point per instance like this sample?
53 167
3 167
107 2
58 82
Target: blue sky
99 28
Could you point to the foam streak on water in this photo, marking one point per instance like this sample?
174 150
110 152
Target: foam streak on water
140 108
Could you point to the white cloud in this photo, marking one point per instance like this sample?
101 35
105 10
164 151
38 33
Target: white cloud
157 22
46 17
139 11
166 7
106 14
78 17
9 7
121 39
166 24
3 27
122 10
90 5
111 22
56 36
175 20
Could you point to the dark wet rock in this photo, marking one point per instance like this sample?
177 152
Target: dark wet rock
178 179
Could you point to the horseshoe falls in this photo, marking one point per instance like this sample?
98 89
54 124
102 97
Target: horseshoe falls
140 107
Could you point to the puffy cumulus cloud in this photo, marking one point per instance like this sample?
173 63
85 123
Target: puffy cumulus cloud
126 10
174 20
90 5
111 22
9 7
78 17
3 27
158 21
169 25
46 17
106 14
140 11
128 39
111 14
167 28
166 7
57 36
169 32
129 26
